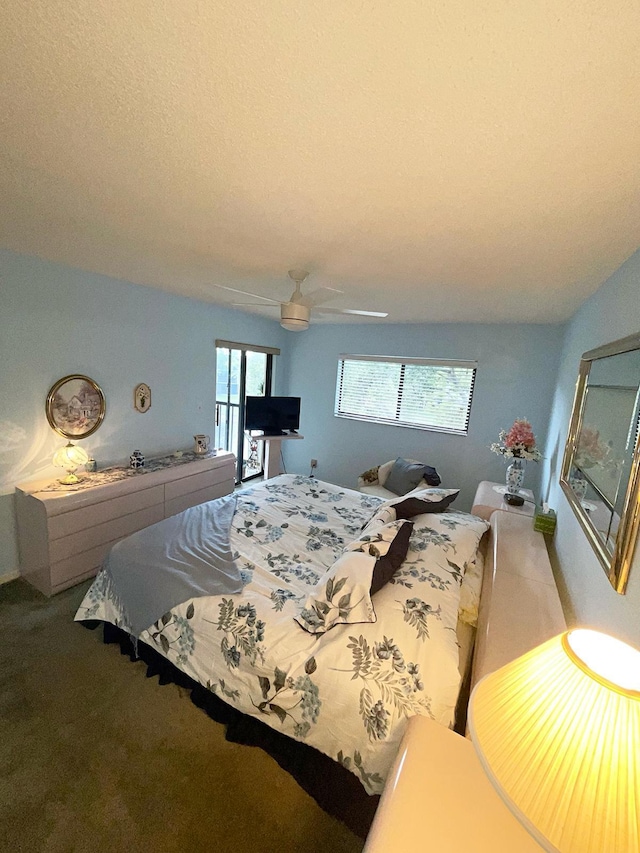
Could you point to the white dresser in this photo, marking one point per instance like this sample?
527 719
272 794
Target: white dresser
64 535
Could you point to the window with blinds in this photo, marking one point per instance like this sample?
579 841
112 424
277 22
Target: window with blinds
422 393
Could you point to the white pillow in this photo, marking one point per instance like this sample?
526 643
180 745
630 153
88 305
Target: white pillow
366 563
343 598
383 471
381 515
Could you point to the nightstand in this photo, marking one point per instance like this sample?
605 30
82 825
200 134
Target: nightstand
490 497
438 798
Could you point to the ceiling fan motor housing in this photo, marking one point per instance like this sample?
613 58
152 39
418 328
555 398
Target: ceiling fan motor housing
294 317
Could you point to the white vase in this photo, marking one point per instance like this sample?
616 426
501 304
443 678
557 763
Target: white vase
515 476
136 460
579 484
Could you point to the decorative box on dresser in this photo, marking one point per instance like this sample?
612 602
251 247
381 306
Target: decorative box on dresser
64 533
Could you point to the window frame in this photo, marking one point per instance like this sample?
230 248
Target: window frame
240 406
403 362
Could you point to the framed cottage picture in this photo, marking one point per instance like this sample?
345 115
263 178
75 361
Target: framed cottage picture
75 406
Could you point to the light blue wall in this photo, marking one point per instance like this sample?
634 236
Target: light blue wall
55 321
612 312
516 378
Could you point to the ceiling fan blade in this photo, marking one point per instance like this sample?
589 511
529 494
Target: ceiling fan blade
247 293
351 311
257 304
317 297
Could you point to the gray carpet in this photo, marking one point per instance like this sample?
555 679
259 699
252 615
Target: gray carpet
96 756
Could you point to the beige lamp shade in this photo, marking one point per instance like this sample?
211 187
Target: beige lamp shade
70 457
558 734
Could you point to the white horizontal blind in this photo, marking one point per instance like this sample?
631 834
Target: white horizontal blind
432 394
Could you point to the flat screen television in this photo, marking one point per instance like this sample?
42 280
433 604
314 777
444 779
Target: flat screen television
272 415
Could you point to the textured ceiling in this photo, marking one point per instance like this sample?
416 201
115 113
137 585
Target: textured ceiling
458 160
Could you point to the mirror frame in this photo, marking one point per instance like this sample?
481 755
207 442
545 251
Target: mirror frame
617 564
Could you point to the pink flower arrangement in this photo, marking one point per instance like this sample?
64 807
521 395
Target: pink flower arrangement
591 451
518 442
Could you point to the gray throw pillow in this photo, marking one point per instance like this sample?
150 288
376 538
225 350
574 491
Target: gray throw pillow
404 476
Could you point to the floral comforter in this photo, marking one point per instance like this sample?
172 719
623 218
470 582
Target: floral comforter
348 692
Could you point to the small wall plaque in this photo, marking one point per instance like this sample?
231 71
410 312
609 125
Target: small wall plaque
142 397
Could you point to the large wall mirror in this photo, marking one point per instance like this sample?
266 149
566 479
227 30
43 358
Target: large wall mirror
600 470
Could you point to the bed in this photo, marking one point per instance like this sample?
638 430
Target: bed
264 648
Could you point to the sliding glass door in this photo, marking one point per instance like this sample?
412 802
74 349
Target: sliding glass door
240 373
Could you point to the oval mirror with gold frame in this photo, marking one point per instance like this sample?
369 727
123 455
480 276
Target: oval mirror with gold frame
600 470
75 406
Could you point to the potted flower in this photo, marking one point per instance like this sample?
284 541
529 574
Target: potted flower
518 444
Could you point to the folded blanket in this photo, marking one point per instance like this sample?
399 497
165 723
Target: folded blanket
166 564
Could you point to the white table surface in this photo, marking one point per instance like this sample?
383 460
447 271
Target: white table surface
490 496
438 799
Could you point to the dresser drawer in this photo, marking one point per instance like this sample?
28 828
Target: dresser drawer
68 572
197 482
109 531
89 517
177 505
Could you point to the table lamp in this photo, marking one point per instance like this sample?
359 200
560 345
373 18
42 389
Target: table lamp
558 733
70 457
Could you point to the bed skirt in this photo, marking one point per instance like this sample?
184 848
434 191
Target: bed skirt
337 791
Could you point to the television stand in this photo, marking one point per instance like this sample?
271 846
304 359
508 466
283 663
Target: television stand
272 451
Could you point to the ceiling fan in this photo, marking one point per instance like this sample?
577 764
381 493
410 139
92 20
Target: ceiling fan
296 313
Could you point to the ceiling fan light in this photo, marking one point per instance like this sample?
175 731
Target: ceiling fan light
295 325
294 317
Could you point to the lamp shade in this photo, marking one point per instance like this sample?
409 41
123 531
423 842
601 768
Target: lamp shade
558 733
69 457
